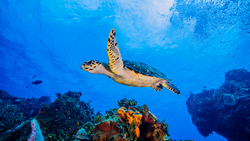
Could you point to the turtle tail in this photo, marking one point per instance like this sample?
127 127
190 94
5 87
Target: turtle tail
171 87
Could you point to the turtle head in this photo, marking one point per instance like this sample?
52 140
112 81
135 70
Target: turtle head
93 66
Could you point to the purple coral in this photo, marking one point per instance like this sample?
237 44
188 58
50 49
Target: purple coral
36 133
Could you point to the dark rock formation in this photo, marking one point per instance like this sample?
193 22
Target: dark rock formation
225 110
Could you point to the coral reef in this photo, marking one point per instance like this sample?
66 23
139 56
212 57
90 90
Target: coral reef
130 123
68 118
60 120
16 111
225 110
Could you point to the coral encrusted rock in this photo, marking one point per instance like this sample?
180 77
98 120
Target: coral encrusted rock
226 110
16 110
130 122
60 120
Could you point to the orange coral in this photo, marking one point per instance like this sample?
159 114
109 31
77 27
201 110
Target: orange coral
137 131
155 126
117 126
131 117
121 112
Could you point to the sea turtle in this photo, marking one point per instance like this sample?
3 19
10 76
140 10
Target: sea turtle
130 73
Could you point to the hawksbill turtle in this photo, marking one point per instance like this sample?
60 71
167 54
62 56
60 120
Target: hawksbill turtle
130 73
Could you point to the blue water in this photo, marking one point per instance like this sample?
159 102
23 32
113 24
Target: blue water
193 42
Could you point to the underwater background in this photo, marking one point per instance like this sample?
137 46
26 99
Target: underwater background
193 42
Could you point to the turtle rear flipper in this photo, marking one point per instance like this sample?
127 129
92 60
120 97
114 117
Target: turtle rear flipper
115 59
171 87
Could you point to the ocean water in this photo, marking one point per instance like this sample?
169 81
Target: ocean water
194 42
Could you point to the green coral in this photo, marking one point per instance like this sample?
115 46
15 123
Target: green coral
126 103
165 126
89 127
97 118
111 112
128 132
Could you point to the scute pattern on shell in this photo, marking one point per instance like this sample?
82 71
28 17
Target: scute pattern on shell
144 69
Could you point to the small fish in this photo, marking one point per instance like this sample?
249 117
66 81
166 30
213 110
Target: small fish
34 76
26 86
37 82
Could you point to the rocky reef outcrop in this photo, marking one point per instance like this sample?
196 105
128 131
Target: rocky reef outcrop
15 110
225 110
130 122
58 120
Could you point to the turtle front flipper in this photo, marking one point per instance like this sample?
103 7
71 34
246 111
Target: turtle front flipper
171 87
115 59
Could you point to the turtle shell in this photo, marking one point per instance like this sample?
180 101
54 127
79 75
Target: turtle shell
143 68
